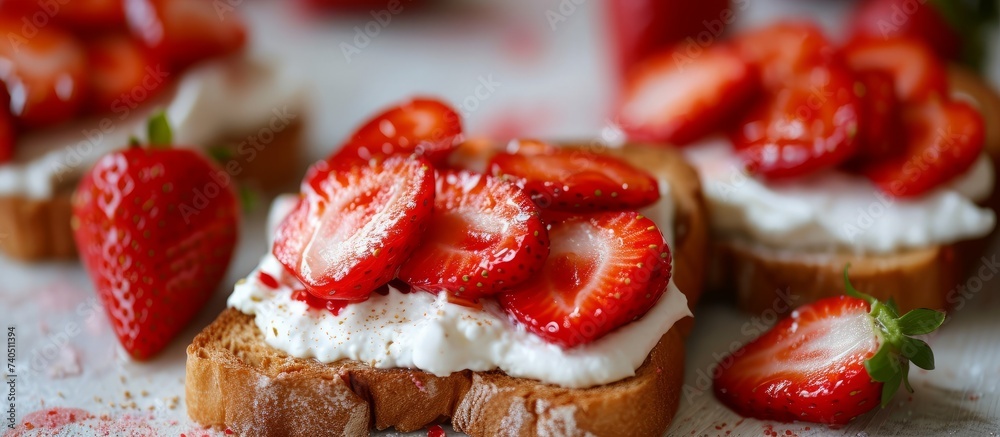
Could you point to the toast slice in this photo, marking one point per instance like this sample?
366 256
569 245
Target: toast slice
235 379
38 229
765 278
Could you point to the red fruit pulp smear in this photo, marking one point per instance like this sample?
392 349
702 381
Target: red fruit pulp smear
52 419
333 306
268 280
435 431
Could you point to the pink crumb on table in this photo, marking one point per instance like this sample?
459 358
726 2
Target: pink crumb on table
65 364
51 419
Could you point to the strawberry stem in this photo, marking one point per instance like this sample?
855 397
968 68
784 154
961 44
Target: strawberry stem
158 131
891 363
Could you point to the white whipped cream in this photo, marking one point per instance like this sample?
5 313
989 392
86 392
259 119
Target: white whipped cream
424 331
215 99
836 210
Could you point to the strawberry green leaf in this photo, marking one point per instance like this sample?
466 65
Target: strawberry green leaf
133 141
906 377
221 154
891 304
920 321
890 387
158 130
890 365
248 199
919 353
851 291
882 366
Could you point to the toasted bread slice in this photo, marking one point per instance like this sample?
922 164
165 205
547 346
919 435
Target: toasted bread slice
37 229
235 379
764 278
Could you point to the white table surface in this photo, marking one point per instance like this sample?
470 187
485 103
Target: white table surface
552 84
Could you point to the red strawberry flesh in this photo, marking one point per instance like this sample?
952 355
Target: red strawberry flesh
792 132
485 235
354 226
943 140
576 180
603 271
677 98
423 126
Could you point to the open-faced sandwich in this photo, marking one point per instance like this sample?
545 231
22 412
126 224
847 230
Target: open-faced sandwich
872 153
81 78
547 296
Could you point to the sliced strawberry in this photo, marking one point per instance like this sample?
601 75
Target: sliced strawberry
355 226
156 228
91 15
886 19
943 139
427 127
879 115
603 271
8 132
45 74
828 362
808 125
530 147
784 50
640 28
918 74
183 32
576 180
676 98
485 236
117 66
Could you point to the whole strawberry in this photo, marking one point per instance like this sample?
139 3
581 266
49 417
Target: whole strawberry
828 362
155 228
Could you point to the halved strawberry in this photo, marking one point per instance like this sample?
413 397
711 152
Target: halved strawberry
603 271
677 98
355 226
808 125
45 74
879 115
485 236
117 67
828 362
784 50
943 139
917 73
423 126
577 180
183 32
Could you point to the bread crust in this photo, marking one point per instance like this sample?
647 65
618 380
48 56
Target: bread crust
235 380
38 229
764 278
